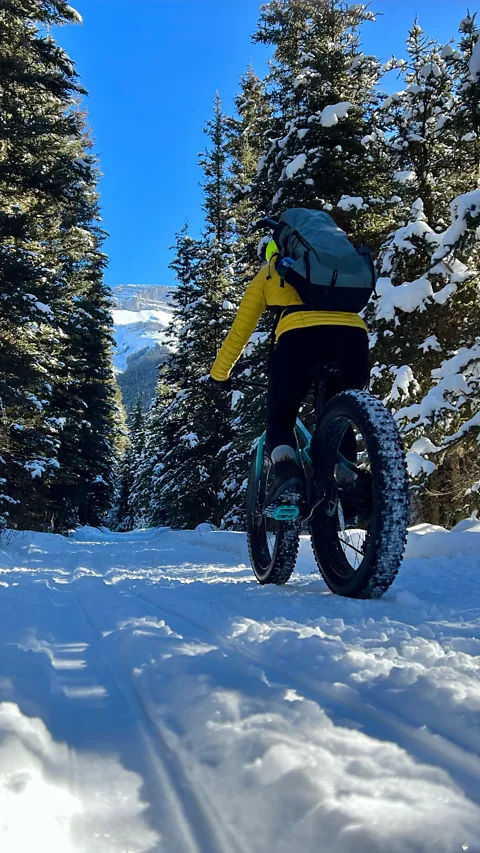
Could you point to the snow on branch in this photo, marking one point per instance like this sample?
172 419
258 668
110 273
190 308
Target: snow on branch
465 210
457 383
475 62
330 115
408 297
295 165
75 16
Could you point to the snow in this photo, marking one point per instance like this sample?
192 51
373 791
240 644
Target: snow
447 51
431 68
394 98
404 379
350 202
295 165
44 309
190 438
430 343
141 314
366 140
438 398
474 64
458 362
464 208
417 465
408 297
404 177
75 15
135 330
126 318
441 296
155 698
440 123
424 445
330 115
465 23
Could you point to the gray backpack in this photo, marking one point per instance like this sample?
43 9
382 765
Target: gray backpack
319 261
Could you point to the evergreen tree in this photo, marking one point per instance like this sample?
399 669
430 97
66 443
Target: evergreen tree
127 509
247 131
50 270
194 427
310 156
320 154
427 318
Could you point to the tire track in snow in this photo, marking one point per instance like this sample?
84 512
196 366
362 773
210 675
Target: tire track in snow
422 744
197 832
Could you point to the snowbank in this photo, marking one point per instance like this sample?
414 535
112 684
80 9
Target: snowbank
430 541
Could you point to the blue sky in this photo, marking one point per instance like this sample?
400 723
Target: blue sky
152 68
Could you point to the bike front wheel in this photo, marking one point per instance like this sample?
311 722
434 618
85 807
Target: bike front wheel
358 528
272 545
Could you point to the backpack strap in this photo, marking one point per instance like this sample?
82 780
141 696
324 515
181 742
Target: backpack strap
278 313
306 258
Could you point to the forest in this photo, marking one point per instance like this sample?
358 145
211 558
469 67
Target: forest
398 170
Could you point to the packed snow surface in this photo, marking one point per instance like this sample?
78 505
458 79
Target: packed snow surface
155 698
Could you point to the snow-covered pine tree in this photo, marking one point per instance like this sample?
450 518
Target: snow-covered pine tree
247 132
121 517
127 509
37 84
323 149
166 419
82 489
159 426
50 254
321 153
195 427
426 320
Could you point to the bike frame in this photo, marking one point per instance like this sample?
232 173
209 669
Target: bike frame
303 453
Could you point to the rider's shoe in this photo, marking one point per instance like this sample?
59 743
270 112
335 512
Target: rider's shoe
285 499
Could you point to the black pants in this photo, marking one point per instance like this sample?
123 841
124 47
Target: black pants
291 368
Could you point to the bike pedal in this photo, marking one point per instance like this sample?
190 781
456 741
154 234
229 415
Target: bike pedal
286 513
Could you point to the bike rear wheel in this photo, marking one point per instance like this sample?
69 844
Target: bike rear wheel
358 530
272 545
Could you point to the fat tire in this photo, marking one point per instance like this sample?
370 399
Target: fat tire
277 569
386 536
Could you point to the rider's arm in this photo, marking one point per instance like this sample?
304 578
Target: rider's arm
251 309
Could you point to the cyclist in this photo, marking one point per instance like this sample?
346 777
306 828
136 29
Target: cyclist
303 338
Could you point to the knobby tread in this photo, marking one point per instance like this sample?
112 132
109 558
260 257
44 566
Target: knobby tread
387 539
287 543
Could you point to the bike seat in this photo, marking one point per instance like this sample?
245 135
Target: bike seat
326 368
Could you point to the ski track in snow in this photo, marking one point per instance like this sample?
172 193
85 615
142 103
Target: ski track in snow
155 699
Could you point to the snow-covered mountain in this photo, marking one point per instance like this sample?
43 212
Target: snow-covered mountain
141 314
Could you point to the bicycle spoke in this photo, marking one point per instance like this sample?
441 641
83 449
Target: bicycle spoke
349 545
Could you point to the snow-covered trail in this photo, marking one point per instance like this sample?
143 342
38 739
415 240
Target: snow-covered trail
154 698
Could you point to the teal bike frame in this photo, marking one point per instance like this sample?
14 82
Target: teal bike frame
305 459
304 453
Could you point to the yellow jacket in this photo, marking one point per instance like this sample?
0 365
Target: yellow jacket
266 290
